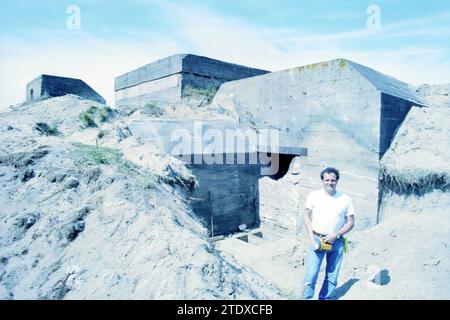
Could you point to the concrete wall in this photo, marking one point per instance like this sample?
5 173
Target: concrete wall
227 192
279 201
158 92
217 69
54 86
393 112
34 90
155 83
156 70
294 100
359 179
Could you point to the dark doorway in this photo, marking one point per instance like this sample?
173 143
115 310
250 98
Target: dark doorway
283 165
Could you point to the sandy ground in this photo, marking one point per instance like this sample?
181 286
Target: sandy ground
71 231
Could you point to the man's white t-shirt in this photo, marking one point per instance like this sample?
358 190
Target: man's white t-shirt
328 212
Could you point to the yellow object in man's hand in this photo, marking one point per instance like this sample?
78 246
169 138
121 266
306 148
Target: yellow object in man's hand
325 246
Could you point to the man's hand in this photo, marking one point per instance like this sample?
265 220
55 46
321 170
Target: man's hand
330 238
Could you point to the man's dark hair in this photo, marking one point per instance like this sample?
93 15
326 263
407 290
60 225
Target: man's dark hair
330 170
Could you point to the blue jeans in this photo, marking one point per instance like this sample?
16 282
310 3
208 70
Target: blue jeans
313 261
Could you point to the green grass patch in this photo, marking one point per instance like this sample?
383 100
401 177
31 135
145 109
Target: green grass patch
342 63
94 115
49 130
104 114
208 93
88 156
153 110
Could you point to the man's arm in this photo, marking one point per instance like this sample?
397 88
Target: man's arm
307 220
349 223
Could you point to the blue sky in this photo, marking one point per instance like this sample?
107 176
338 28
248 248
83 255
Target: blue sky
412 43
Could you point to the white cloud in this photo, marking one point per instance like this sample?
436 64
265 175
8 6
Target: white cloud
235 40
201 31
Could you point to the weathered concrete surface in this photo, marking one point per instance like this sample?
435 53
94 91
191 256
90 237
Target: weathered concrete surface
226 194
180 137
47 86
345 114
166 80
226 197
159 92
228 171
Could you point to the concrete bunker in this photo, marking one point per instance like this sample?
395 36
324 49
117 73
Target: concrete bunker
344 113
47 86
168 80
228 171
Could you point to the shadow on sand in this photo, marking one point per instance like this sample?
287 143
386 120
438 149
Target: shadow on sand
342 290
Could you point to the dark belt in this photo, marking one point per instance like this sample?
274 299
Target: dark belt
319 234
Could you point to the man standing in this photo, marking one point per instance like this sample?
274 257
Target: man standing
329 215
